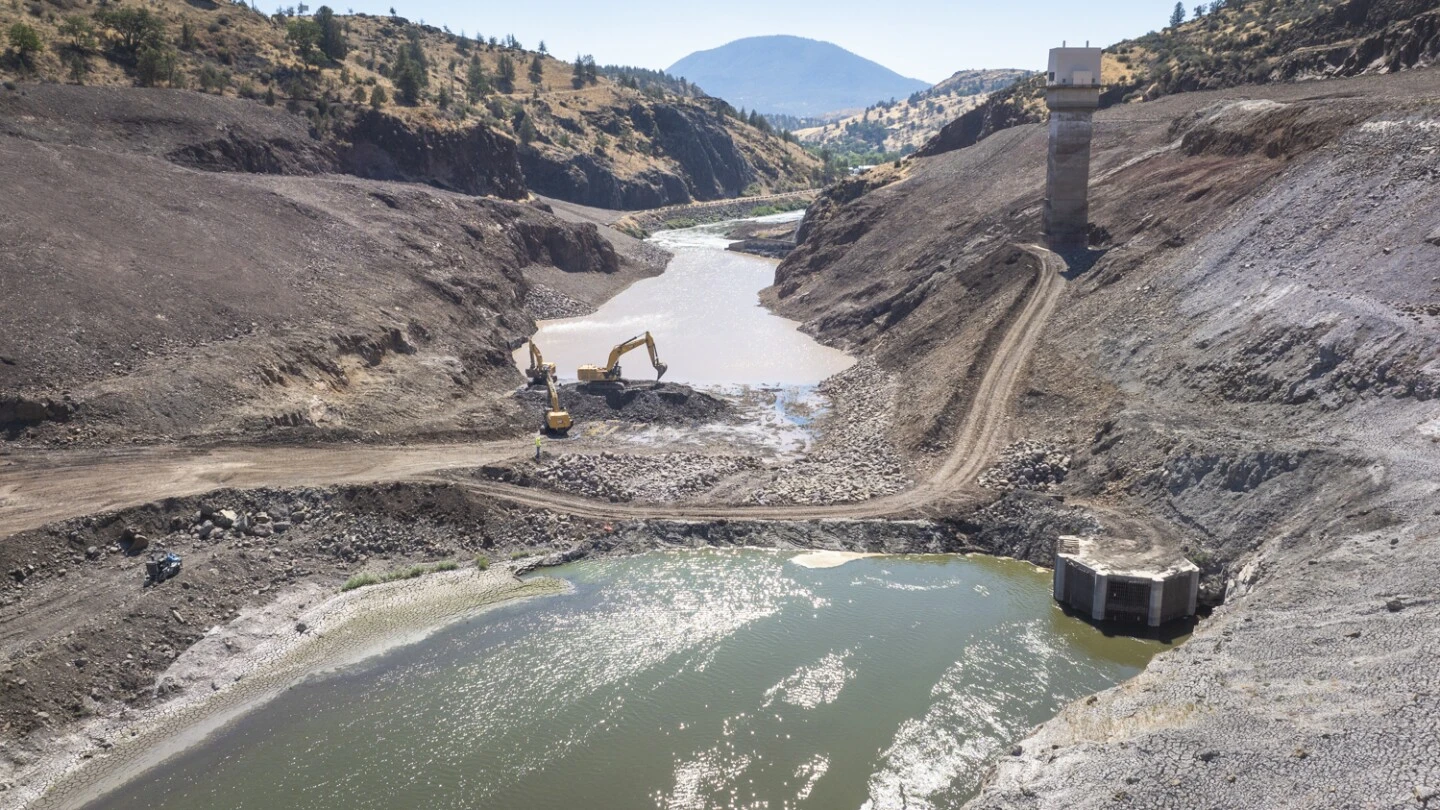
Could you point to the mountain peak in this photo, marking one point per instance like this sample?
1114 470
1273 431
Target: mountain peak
792 75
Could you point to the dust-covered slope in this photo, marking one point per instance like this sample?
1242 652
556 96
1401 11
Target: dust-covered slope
146 298
1252 353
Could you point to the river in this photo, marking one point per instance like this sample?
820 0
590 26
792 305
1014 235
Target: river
679 680
705 315
685 679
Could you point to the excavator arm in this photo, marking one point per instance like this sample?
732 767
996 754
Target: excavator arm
557 419
539 370
610 372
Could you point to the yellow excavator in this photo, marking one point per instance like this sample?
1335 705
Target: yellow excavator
610 372
539 370
557 419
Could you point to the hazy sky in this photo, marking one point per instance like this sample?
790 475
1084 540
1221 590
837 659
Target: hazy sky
924 39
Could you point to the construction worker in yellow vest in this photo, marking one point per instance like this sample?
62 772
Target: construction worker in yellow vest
537 446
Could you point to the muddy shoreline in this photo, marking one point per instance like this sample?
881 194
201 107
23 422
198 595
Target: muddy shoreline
306 631
305 625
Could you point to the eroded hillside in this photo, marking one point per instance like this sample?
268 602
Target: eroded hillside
184 266
1251 353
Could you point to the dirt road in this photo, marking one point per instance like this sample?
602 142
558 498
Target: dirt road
51 486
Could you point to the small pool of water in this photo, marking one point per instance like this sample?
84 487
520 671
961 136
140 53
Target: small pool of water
688 679
705 314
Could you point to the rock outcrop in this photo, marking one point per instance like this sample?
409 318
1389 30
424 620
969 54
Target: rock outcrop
704 161
476 160
590 180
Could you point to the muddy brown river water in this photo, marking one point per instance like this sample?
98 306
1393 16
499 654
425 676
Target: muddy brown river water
706 317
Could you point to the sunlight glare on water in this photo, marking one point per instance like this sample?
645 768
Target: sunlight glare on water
683 680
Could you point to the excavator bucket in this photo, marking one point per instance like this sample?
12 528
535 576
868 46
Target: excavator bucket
660 369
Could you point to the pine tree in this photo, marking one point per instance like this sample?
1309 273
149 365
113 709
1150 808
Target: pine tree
332 34
477 84
1178 15
537 70
505 74
407 76
525 130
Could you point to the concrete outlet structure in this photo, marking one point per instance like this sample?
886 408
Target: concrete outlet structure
1093 583
1073 94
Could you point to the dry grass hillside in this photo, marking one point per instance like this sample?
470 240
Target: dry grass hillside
594 141
1234 43
904 125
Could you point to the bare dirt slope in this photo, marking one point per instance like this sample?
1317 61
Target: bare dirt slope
1250 353
145 298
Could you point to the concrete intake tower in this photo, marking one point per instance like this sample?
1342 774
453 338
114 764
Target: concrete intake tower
1072 93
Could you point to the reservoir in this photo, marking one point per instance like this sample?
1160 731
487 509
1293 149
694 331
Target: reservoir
737 678
705 315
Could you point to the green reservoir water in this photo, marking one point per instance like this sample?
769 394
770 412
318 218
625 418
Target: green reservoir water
694 679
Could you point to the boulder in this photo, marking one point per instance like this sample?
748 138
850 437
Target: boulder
225 518
1434 237
132 541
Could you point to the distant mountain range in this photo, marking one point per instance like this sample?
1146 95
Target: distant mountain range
793 76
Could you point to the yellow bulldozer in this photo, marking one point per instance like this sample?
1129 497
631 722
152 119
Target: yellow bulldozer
610 372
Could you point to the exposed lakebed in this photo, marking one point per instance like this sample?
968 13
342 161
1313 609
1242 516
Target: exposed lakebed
684 679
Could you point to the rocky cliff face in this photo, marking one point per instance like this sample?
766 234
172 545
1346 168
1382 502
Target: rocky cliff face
698 159
590 180
703 149
477 160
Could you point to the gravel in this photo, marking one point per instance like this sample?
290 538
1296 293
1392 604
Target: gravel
1028 465
546 303
658 478
854 459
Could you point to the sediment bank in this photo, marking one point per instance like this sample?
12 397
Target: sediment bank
306 630
643 223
